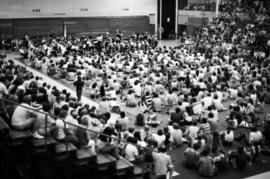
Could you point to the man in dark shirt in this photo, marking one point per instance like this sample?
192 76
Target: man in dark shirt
177 116
79 87
239 159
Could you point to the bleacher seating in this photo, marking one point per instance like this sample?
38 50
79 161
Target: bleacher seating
42 145
20 137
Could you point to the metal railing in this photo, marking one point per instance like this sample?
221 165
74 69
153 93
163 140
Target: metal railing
74 125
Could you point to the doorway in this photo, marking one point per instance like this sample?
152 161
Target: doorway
167 13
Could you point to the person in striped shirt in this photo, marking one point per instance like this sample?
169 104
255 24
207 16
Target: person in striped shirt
205 129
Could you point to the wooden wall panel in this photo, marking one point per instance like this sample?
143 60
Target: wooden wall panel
129 24
35 27
6 28
86 26
196 21
75 26
152 28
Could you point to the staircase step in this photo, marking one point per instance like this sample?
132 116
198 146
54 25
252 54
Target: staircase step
40 145
138 170
64 147
123 166
84 155
63 151
3 126
42 142
105 161
18 137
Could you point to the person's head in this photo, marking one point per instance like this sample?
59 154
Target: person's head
63 113
229 129
84 121
253 129
107 115
215 134
240 149
74 113
131 130
155 143
27 99
146 128
137 135
204 120
162 149
65 107
177 110
166 130
196 146
122 114
130 140
160 132
46 107
210 115
206 151
210 108
175 126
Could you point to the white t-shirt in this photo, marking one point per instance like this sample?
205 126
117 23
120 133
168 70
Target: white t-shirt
193 131
21 114
228 136
159 138
3 89
138 90
131 152
255 136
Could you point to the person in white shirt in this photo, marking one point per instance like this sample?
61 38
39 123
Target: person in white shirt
131 151
192 132
72 120
176 135
159 137
162 163
207 101
255 136
218 104
103 106
24 118
228 137
233 93
137 89
3 88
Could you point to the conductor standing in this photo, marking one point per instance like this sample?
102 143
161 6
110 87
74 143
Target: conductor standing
79 87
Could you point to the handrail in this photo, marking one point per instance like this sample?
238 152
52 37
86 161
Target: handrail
74 125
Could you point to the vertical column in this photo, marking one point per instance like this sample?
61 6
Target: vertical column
65 29
217 7
156 19
160 19
176 19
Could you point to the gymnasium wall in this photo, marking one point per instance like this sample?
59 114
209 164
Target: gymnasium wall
77 26
80 17
75 8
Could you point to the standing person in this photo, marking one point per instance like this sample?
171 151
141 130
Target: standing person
79 87
162 163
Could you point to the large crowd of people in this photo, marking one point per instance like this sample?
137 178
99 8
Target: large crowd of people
221 67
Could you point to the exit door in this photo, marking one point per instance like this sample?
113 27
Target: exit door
167 13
